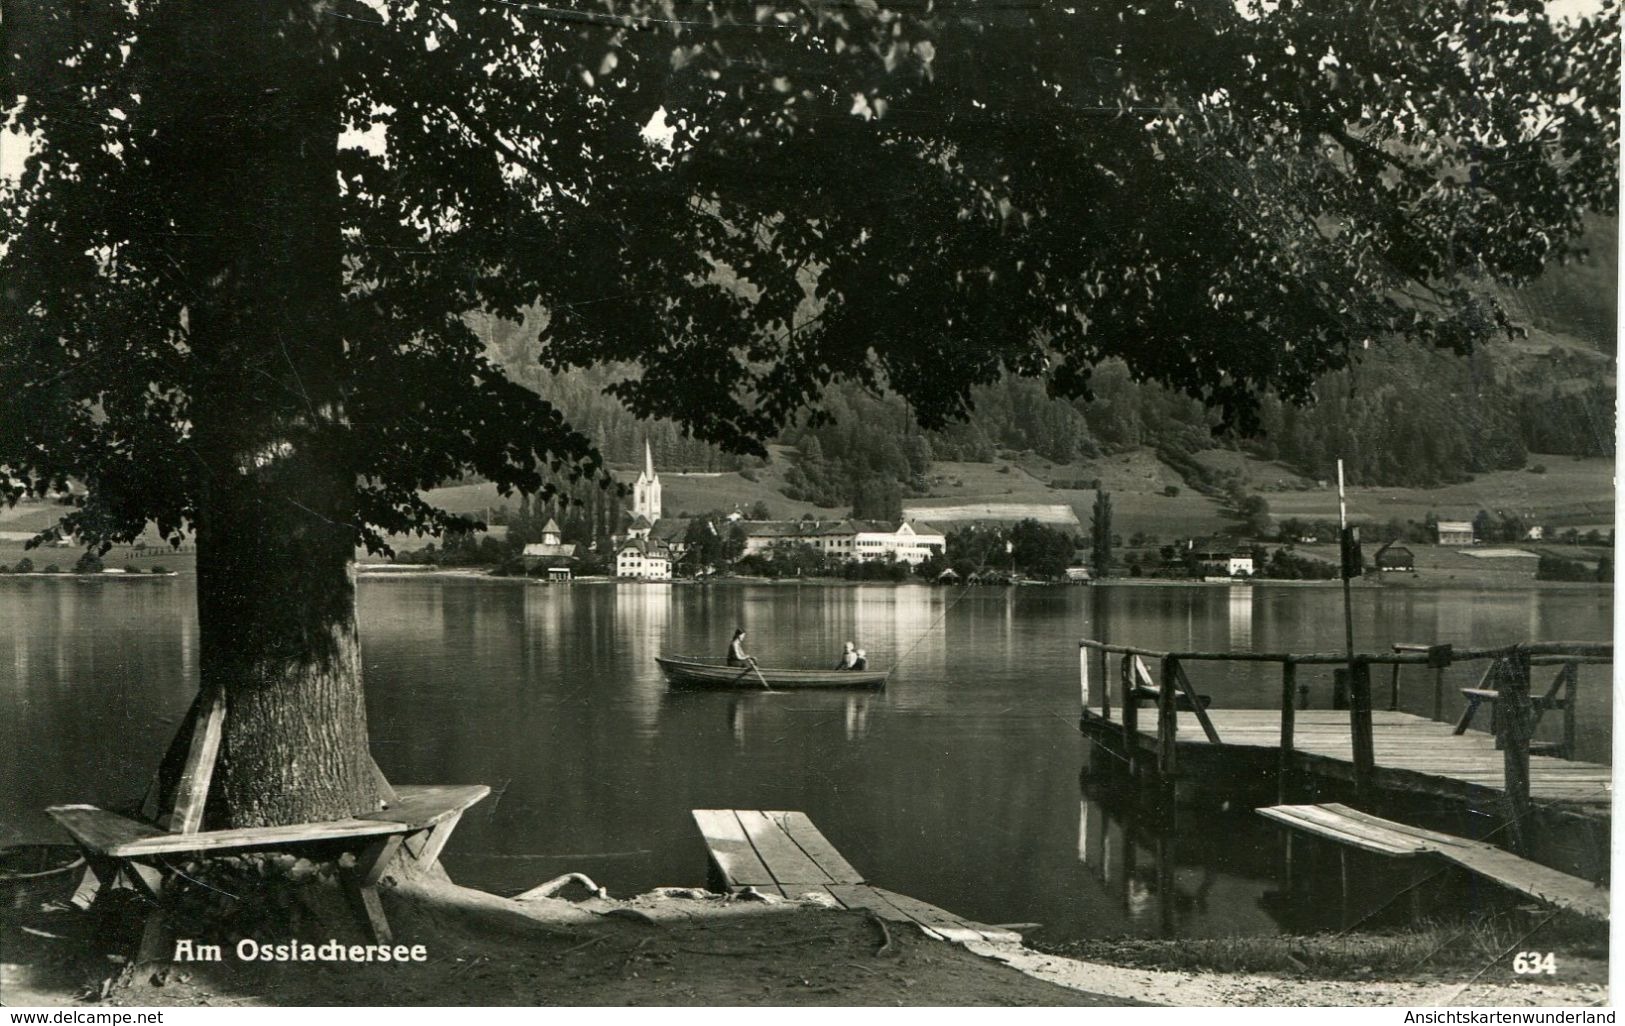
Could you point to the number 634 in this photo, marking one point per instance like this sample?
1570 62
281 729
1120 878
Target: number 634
1525 962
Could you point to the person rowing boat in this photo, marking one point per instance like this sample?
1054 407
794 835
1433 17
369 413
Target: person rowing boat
736 650
737 657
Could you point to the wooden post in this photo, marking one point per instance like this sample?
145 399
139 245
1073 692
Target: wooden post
1393 690
1289 717
1195 700
1131 708
1439 657
1105 687
1167 882
1291 874
1083 677
1365 763
1345 914
1513 727
1571 687
192 790
1168 720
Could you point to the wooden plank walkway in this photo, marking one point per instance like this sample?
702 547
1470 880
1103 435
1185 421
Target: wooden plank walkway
1344 825
1405 742
782 853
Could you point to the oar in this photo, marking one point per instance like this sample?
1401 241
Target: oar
765 685
750 666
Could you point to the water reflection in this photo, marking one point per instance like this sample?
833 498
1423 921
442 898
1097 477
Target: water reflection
1199 875
1240 612
957 783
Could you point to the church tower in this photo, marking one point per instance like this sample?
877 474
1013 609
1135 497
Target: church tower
646 489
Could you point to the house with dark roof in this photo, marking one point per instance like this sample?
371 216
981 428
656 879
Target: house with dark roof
1393 556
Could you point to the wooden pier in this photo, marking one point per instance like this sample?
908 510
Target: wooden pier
783 854
1343 825
1409 753
1525 794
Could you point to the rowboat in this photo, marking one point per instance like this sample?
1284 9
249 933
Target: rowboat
696 672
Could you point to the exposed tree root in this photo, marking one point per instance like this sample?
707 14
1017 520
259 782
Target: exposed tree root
558 883
885 934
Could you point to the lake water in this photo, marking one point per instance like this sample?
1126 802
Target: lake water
958 784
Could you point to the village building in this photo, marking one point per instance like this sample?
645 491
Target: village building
863 541
1220 559
1394 557
640 527
1455 532
761 535
641 559
550 552
910 542
661 542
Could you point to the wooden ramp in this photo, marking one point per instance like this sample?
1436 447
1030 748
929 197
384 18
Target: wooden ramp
782 853
1357 829
1413 753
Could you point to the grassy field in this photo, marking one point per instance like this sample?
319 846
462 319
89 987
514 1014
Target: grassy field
1571 493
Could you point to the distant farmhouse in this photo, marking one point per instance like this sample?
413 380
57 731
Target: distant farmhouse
1221 559
1455 532
1394 557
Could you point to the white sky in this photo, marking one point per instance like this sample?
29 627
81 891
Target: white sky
14 146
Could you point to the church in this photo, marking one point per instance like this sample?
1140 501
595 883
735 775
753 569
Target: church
642 554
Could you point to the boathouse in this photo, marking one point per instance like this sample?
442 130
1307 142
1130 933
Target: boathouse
550 551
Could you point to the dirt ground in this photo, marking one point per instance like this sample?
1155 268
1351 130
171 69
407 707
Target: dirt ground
679 947
672 947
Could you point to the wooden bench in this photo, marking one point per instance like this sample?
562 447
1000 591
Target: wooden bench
1559 695
1343 825
120 849
123 851
783 854
1143 696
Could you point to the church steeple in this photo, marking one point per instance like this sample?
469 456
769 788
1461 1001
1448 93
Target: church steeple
646 489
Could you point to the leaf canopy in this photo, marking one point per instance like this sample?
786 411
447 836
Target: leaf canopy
748 202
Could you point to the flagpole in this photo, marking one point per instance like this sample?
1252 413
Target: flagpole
1345 551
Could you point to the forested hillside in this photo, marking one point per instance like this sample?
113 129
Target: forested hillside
1402 416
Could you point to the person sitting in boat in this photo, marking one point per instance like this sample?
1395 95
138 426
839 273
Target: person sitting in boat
848 658
736 650
861 661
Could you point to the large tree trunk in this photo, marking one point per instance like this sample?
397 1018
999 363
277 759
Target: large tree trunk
250 92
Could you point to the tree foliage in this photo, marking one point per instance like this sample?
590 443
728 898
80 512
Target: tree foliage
1100 534
912 197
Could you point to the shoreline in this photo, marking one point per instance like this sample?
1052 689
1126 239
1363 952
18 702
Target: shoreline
391 571
385 571
687 946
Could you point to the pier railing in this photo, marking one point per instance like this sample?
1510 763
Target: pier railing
1505 686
